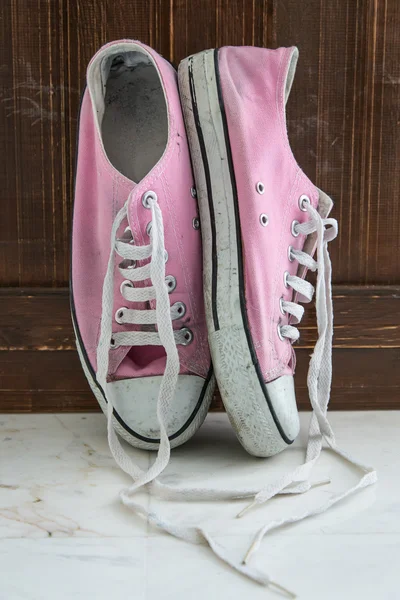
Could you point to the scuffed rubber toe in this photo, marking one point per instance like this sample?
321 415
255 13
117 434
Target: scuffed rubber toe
283 399
135 402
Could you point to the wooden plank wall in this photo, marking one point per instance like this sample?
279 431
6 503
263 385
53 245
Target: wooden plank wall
343 120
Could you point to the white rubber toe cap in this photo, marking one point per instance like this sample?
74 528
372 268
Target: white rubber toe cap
283 399
135 401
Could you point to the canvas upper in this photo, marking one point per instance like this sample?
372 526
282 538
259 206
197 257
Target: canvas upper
132 140
270 184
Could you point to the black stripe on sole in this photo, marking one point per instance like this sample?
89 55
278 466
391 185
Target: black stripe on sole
242 296
203 151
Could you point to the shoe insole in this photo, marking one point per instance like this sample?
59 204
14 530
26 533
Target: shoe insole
135 122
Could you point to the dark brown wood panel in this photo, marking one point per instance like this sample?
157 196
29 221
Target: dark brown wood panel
9 147
39 319
40 369
46 381
343 120
342 116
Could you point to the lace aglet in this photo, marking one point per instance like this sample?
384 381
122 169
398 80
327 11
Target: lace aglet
281 589
246 508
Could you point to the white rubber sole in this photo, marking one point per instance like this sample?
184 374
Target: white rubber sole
238 375
122 428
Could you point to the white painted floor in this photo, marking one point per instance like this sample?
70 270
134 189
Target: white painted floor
64 534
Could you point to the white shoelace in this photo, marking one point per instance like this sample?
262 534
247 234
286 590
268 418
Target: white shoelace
319 381
168 338
165 335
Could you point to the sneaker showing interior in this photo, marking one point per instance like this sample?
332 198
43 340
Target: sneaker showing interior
135 212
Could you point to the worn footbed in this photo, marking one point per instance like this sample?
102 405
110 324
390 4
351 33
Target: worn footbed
135 123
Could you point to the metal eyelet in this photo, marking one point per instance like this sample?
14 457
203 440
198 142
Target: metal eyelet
150 195
149 228
285 278
119 314
113 343
260 187
124 284
304 201
188 336
196 223
166 256
264 219
281 301
171 283
280 336
293 228
289 253
193 192
127 263
180 308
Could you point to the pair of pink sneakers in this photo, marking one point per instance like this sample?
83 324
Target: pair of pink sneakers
168 265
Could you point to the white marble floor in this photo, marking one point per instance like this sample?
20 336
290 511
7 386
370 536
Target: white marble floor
64 534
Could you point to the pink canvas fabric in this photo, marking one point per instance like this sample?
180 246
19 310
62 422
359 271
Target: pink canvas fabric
255 84
100 193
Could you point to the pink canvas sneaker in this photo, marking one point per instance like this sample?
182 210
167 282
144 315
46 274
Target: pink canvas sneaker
262 220
257 208
136 284
136 289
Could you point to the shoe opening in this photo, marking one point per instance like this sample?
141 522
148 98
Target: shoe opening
131 109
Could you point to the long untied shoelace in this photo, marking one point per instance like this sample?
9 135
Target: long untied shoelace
319 385
319 382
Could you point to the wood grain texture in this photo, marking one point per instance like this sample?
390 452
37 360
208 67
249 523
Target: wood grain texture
46 381
343 122
39 319
40 369
342 115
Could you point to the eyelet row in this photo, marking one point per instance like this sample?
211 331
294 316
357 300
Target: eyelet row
150 195
304 202
169 279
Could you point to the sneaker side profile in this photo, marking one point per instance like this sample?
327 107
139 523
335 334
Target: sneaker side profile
262 221
252 196
136 289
